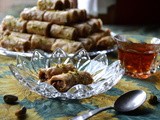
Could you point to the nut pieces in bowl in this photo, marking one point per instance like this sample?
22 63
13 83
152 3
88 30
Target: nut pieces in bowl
104 76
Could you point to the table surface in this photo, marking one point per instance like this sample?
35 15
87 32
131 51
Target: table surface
40 108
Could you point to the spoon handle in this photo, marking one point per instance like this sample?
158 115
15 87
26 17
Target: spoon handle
91 113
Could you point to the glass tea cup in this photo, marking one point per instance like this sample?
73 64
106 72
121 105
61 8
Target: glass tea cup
138 54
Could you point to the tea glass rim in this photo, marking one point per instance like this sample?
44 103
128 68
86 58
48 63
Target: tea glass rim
136 35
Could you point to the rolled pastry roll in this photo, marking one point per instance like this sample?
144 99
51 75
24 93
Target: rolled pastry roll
50 5
21 35
67 45
81 13
77 15
87 43
45 74
96 24
41 42
13 24
65 32
73 15
64 82
83 29
98 35
38 27
56 17
105 43
15 43
32 14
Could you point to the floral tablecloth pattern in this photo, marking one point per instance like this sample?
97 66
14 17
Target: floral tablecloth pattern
40 108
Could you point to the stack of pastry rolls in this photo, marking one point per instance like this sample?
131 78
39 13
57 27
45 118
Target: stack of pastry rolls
50 25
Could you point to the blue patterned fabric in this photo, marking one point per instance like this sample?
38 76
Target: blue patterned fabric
40 108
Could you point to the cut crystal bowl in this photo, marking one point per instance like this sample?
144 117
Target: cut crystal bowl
104 76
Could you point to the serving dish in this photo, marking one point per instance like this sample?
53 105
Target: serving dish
9 53
104 76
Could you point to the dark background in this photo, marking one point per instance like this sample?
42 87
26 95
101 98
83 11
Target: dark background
133 12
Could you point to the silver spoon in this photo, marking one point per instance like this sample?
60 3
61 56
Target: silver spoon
125 103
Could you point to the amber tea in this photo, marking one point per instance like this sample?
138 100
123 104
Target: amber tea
137 64
137 57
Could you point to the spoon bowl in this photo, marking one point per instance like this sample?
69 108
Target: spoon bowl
130 101
125 103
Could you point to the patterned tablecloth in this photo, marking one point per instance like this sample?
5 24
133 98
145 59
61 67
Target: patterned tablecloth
40 108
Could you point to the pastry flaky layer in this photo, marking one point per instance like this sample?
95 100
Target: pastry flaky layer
64 76
53 24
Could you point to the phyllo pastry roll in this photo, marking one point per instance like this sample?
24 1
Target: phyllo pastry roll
56 17
96 24
72 16
98 35
32 14
64 82
50 5
82 14
105 43
13 24
87 43
41 42
65 32
38 27
83 29
21 35
46 73
67 45
15 43
77 15
65 17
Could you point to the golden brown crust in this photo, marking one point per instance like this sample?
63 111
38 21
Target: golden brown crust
65 17
96 24
25 36
38 27
45 74
83 29
105 43
50 5
15 44
56 17
32 14
13 24
82 15
67 45
98 35
65 32
73 15
87 43
41 42
64 82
